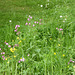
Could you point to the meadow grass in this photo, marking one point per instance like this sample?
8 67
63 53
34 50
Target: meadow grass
37 37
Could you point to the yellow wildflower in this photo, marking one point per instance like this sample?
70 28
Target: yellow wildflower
6 59
18 38
12 40
12 49
63 55
50 38
14 56
10 58
20 41
68 66
23 39
54 53
58 44
20 58
8 62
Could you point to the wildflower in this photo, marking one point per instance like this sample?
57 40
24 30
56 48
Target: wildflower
72 61
15 45
6 59
26 24
22 59
60 29
12 49
50 38
9 45
60 16
58 44
15 30
18 33
12 40
3 52
8 62
63 21
39 23
6 43
3 57
28 55
18 38
28 19
33 25
23 39
31 17
56 28
18 61
14 56
54 53
29 23
41 5
35 22
68 63
0 49
63 55
10 21
20 41
68 66
18 25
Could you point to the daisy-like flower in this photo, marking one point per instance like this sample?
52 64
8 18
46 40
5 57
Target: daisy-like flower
41 5
10 21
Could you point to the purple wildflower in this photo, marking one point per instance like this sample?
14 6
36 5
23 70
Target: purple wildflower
33 25
9 45
0 49
6 43
60 29
3 52
35 22
26 23
3 57
28 19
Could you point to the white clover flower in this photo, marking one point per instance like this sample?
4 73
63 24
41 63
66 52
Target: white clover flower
41 5
60 16
65 19
10 21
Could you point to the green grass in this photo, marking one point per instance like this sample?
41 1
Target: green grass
44 43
